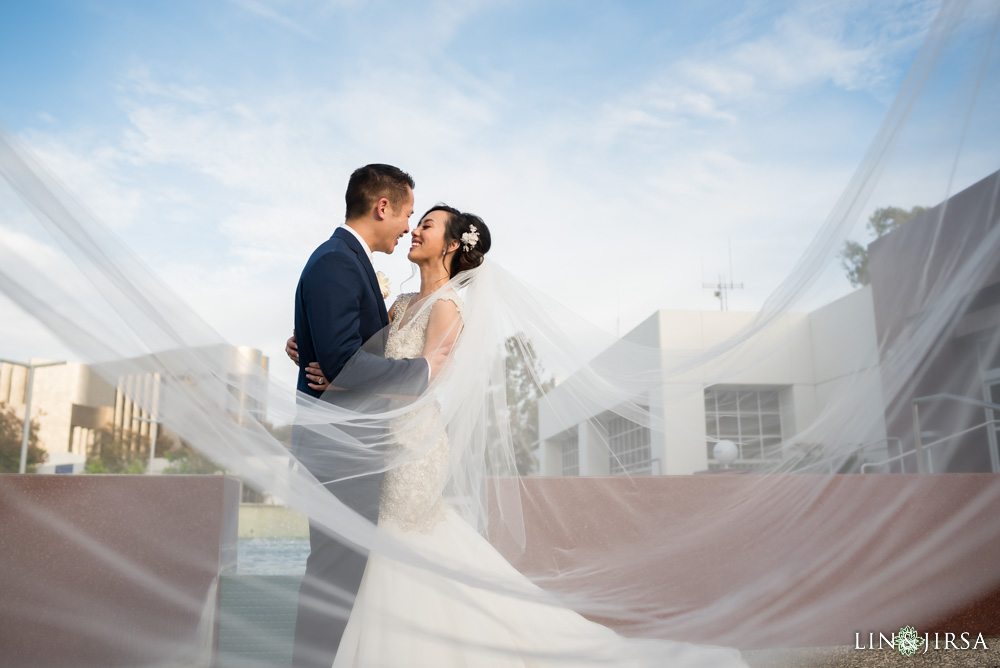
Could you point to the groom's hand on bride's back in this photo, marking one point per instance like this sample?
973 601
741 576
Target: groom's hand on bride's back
292 349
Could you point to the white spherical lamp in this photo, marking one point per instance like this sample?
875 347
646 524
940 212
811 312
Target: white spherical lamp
725 452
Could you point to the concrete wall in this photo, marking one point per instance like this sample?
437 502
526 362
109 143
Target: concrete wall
920 272
113 570
846 365
753 550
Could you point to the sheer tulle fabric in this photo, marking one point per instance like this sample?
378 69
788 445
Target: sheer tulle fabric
120 318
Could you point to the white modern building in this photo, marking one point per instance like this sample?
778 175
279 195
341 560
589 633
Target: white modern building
761 394
832 382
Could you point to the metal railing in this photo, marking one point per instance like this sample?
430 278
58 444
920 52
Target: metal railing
828 462
890 460
842 457
994 464
924 463
636 468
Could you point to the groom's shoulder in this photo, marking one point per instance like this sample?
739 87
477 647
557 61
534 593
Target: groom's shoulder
334 248
332 260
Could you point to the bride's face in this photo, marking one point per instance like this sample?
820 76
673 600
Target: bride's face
427 238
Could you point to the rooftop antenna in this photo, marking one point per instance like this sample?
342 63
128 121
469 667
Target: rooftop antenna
723 287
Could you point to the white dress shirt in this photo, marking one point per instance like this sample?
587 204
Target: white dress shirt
364 244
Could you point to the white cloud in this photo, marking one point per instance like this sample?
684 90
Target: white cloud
269 13
94 169
273 171
631 191
812 44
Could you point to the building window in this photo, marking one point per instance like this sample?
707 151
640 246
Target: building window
570 457
748 416
567 445
631 450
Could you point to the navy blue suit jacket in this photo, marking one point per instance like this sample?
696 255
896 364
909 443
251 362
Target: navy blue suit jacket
338 309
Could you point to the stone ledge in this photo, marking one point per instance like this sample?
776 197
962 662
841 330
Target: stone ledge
112 570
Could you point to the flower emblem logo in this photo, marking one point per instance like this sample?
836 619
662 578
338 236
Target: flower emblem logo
907 641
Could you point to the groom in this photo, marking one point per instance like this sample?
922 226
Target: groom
338 307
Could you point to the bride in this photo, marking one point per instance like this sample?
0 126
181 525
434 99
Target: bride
406 616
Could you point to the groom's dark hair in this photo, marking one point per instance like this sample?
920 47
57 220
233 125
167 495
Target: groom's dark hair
371 183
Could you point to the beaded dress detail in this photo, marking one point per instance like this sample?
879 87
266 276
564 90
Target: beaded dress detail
411 494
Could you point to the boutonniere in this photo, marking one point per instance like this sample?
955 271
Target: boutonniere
383 284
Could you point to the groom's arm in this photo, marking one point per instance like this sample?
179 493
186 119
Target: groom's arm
333 291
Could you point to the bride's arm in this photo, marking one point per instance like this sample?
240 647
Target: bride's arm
442 331
392 309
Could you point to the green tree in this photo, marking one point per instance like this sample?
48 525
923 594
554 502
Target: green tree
186 460
525 381
11 432
118 451
854 256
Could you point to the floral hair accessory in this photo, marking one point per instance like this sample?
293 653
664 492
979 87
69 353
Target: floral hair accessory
383 283
470 238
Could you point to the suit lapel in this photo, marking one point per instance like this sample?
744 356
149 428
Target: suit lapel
355 246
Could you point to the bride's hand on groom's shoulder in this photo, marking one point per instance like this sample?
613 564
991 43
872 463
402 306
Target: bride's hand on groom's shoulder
292 349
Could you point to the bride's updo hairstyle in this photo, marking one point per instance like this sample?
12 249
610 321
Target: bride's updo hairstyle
471 249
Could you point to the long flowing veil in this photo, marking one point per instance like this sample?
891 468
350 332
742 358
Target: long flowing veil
829 463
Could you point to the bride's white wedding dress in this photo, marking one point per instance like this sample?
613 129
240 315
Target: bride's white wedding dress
405 616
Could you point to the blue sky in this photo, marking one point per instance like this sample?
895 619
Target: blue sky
614 148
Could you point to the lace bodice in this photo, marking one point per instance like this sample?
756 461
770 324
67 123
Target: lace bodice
412 490
407 339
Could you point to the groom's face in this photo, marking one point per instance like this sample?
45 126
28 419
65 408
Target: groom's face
395 224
